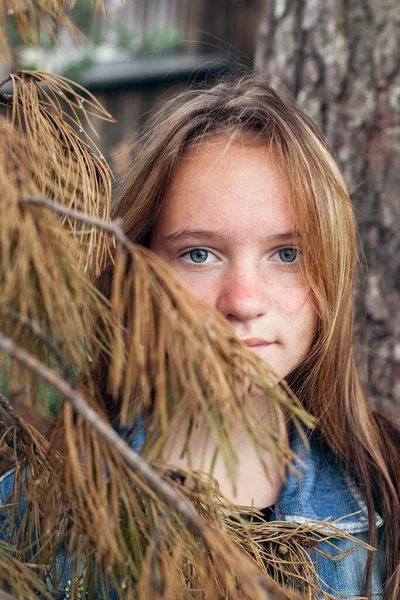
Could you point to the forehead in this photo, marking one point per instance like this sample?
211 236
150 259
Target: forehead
236 188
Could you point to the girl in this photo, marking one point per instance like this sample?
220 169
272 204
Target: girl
236 189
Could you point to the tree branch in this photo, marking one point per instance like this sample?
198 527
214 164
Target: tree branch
6 80
136 462
175 502
6 406
8 437
40 334
114 228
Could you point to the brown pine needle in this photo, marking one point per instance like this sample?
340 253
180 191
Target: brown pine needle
41 276
126 521
159 324
245 572
49 115
29 16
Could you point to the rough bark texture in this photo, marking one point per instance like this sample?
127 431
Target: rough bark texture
341 59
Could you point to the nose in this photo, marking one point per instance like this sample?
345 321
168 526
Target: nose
242 295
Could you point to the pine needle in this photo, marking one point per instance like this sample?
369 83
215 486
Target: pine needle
184 359
123 536
64 164
40 276
174 355
30 16
166 355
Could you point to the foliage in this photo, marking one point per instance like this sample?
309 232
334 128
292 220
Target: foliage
123 520
39 22
162 41
77 69
82 14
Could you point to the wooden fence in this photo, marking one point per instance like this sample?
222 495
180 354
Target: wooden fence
214 35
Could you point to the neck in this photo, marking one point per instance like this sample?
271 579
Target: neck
254 487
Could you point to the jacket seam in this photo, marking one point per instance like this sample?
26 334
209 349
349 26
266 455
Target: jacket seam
355 494
324 525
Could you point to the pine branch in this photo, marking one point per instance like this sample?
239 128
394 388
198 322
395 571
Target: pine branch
6 406
30 17
46 133
114 228
40 334
175 502
6 80
8 437
136 462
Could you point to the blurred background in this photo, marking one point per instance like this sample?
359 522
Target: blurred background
339 58
143 50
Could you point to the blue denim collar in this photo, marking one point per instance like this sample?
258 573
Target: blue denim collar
316 487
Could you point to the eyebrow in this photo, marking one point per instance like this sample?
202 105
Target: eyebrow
204 234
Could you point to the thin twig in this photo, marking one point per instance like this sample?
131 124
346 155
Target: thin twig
113 227
40 334
133 459
6 80
6 406
175 502
8 437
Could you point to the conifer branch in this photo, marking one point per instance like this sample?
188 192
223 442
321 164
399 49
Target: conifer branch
136 462
7 436
6 80
175 502
6 406
114 227
40 334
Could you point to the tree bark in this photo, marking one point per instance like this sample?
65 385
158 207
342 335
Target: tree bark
341 60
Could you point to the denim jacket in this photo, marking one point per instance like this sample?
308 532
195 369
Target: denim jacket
316 491
321 492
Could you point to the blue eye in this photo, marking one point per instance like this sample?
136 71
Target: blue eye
198 255
288 255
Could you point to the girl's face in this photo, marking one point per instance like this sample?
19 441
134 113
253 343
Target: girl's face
226 229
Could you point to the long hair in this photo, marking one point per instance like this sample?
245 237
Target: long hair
327 381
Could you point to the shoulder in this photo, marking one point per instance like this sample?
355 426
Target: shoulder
318 488
318 492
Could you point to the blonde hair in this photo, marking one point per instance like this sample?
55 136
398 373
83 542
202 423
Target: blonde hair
327 381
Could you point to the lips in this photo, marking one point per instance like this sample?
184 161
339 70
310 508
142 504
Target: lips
255 342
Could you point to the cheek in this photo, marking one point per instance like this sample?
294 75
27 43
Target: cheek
297 308
201 285
206 294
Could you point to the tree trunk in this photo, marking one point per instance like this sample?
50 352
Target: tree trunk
341 60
